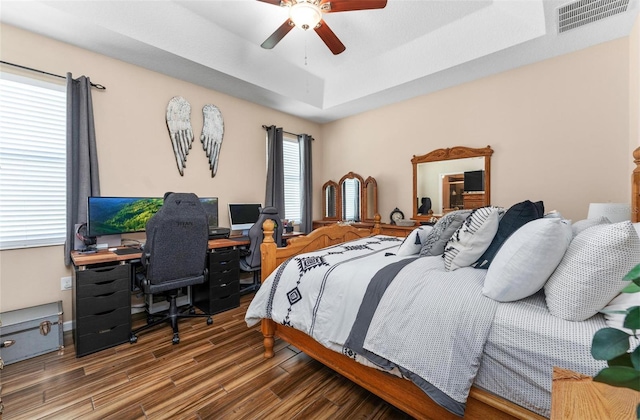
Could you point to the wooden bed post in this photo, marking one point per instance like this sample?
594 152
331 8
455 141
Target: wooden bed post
635 188
267 265
376 224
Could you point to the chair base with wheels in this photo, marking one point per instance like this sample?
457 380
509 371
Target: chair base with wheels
171 315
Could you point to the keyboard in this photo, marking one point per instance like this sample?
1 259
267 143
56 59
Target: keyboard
127 251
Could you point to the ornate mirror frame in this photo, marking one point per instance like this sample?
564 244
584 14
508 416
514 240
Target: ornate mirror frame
327 188
458 152
369 199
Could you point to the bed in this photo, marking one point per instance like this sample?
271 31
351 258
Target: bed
495 372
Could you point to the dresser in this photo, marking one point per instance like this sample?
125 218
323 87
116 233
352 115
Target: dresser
101 307
222 291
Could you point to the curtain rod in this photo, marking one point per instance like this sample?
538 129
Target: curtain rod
286 132
95 85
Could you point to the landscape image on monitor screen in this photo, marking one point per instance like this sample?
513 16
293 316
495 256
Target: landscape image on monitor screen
113 215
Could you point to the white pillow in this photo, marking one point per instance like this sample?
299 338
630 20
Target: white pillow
620 303
591 272
527 259
472 238
585 224
413 242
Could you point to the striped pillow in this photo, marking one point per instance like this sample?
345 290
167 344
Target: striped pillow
472 238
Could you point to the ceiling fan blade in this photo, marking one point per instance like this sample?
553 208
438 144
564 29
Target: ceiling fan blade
278 35
274 2
332 6
329 38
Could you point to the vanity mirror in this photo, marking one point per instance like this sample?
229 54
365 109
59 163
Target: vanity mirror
330 201
351 199
351 192
449 179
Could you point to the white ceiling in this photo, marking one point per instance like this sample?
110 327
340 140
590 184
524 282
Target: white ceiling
409 48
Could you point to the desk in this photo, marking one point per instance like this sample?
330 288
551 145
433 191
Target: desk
102 282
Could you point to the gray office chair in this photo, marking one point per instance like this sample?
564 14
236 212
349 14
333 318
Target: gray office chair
174 256
250 259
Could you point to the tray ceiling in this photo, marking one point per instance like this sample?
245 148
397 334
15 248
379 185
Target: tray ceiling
409 48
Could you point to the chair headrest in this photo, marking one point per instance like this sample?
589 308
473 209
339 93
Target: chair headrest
269 210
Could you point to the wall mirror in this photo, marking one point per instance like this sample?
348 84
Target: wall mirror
352 199
330 201
450 179
351 191
370 199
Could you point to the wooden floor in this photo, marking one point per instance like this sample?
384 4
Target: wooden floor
216 372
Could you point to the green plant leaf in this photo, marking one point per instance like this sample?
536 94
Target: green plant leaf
632 320
623 360
631 288
635 358
609 343
621 376
634 274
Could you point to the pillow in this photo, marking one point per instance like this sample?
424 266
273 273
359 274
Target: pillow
443 230
620 303
472 238
585 224
413 242
591 271
527 259
513 219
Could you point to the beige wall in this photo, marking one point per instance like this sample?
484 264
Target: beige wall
562 131
134 150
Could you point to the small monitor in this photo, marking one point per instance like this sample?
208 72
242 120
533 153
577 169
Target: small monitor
474 181
243 216
210 205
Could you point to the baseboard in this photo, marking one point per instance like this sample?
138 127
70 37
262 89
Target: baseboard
67 326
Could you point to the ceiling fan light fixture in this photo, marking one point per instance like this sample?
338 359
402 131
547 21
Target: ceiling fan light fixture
305 15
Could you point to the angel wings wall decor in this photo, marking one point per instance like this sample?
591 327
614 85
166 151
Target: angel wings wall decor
181 133
212 133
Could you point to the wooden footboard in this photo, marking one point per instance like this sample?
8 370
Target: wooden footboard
400 392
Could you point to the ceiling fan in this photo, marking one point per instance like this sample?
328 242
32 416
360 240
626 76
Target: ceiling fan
307 14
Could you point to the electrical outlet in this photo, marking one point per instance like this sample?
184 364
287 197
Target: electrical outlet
65 283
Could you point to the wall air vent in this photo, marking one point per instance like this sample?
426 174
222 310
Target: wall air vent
578 13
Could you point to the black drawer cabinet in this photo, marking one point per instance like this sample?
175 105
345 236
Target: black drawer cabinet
222 291
101 307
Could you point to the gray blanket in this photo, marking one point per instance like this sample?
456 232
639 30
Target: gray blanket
429 323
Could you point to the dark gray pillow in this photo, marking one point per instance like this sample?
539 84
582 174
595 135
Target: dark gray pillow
443 230
517 216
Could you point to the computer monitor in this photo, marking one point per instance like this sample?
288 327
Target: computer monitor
243 216
114 216
118 215
210 205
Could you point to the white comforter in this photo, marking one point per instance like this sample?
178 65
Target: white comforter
305 297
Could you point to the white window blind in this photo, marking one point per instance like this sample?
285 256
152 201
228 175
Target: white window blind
292 180
32 162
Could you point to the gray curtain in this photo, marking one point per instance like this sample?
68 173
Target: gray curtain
307 182
82 157
274 196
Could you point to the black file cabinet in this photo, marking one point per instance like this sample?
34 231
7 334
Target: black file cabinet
101 307
222 291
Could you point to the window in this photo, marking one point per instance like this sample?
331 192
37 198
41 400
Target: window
32 162
292 180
